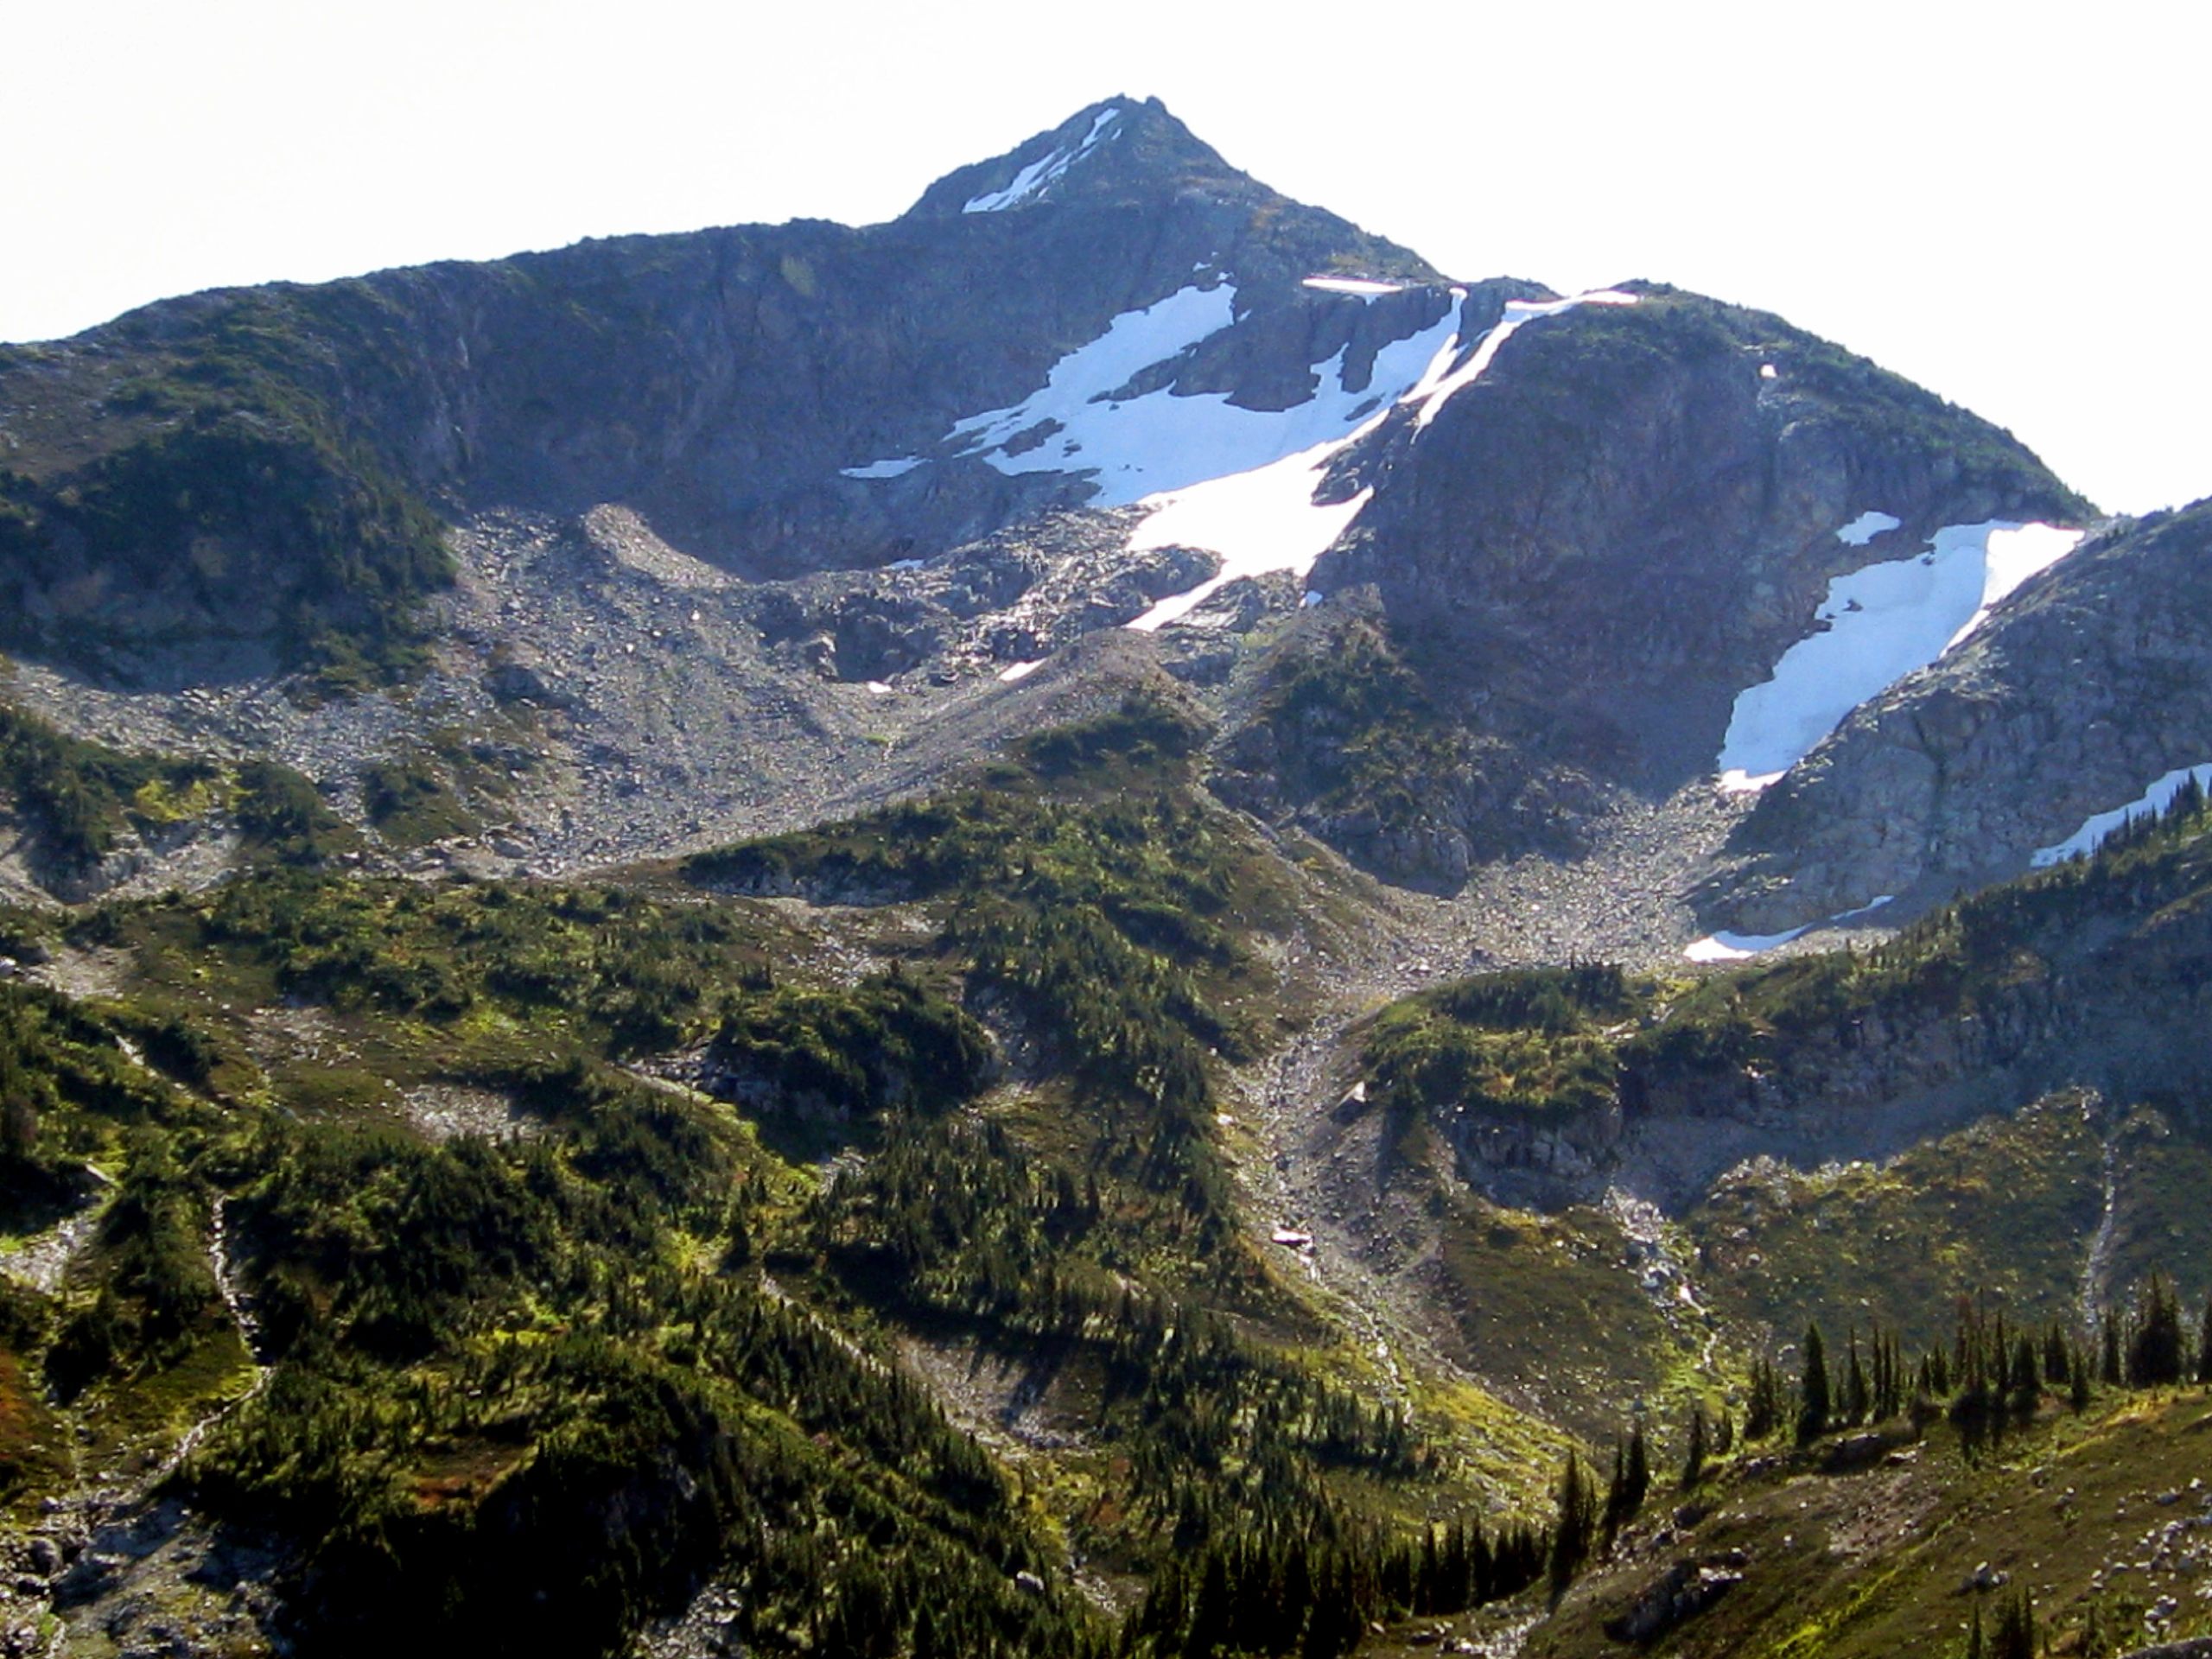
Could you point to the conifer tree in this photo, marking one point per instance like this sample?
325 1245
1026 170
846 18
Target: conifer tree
2027 1382
1616 1510
1575 1524
2015 1634
1637 1486
1813 1410
1693 1458
1762 1415
2055 1367
2155 1357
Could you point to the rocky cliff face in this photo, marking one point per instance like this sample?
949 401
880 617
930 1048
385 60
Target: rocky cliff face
1634 511
2090 685
2091 983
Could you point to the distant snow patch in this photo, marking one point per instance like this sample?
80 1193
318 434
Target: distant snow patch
878 688
1518 315
2150 803
1035 176
897 469
1736 947
1865 527
1364 287
1020 670
1883 621
1741 947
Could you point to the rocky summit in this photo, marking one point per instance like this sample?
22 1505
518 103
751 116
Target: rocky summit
1100 922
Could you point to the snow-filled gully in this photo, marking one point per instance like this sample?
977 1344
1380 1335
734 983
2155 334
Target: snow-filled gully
1880 623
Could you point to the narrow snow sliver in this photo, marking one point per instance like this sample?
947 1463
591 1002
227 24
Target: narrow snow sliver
2152 803
1038 174
1518 315
1883 621
1725 946
1365 288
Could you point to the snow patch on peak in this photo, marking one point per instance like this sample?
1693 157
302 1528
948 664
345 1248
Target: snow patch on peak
1265 519
1865 527
1879 624
1034 177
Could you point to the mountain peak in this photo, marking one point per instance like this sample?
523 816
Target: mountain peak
1118 149
1123 154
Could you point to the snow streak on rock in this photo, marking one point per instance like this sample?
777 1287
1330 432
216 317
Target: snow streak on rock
1035 176
1364 287
1741 947
2149 804
1879 624
1518 313
1162 441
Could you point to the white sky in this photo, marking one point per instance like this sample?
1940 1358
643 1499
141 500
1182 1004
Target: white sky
2002 201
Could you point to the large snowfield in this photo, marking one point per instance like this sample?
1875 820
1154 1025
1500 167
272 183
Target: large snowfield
1164 441
1266 520
1237 482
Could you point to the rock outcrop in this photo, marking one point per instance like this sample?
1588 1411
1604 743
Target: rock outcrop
2091 684
1634 511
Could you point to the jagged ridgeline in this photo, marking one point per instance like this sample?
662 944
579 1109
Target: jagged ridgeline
274 467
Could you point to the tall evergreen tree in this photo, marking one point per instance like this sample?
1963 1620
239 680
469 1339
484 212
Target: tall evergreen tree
1574 1525
2155 1356
1638 1480
1813 1410
1693 1458
2015 1634
1857 1393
